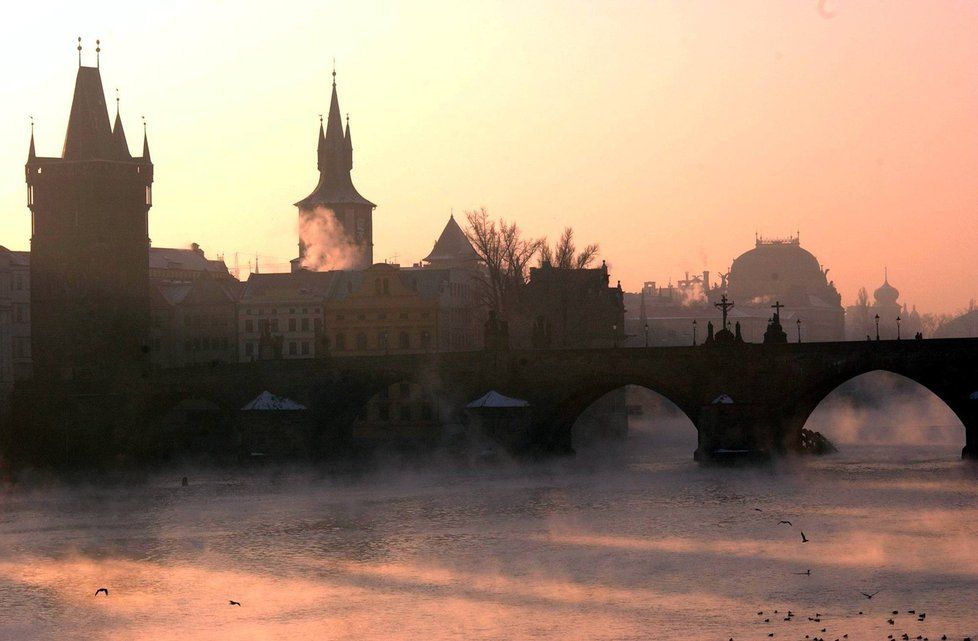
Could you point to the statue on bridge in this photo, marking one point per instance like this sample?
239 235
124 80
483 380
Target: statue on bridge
775 333
724 336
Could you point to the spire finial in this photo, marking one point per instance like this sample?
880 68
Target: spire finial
334 71
32 126
886 275
98 50
116 101
320 118
144 124
79 51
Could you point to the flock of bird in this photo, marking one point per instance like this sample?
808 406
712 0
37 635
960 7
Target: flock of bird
921 617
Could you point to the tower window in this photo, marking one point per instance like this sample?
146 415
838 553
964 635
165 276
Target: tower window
149 196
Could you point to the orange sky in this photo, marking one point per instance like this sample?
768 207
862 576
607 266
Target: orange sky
666 131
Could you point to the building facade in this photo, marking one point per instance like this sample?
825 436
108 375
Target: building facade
568 308
89 268
15 317
194 322
281 315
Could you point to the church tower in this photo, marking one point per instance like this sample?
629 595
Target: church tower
335 221
89 264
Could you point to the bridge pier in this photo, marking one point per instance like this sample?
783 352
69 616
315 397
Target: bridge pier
739 431
970 419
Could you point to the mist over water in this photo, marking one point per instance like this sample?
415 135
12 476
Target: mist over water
633 541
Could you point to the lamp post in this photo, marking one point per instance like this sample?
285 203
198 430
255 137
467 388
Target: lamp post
877 327
898 328
694 332
798 322
646 334
614 334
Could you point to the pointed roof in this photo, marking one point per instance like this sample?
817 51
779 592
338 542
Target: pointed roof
119 135
89 136
321 145
30 152
452 246
146 157
268 401
334 122
493 399
335 154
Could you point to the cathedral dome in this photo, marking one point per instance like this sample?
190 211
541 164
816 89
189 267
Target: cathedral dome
777 269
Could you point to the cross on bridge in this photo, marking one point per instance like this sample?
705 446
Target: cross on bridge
724 306
777 309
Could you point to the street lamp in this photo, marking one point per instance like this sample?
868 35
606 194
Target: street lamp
877 327
798 322
694 332
614 334
898 328
646 334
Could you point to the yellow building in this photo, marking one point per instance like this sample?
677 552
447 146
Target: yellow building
384 309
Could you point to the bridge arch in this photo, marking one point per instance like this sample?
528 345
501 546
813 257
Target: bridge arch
885 392
569 409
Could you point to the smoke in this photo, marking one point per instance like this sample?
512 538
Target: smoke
327 244
692 296
884 408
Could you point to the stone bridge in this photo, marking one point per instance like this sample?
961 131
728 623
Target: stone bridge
774 388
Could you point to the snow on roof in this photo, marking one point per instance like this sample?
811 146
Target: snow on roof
268 401
495 399
724 399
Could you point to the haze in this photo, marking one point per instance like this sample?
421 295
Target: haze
669 132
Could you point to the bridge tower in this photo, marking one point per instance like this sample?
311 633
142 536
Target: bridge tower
89 245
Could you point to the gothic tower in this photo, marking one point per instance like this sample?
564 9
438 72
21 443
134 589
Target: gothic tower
335 221
89 245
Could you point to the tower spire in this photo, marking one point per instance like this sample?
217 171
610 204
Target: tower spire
31 155
146 157
119 133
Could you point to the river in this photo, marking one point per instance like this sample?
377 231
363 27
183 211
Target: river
635 543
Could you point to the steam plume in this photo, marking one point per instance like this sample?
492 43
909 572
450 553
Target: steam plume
327 244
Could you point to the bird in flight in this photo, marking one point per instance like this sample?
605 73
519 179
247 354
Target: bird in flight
804 539
784 522
232 602
106 590
806 573
870 596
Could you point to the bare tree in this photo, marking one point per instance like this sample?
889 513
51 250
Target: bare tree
506 255
564 254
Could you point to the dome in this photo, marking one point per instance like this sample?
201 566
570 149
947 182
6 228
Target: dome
778 269
886 293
